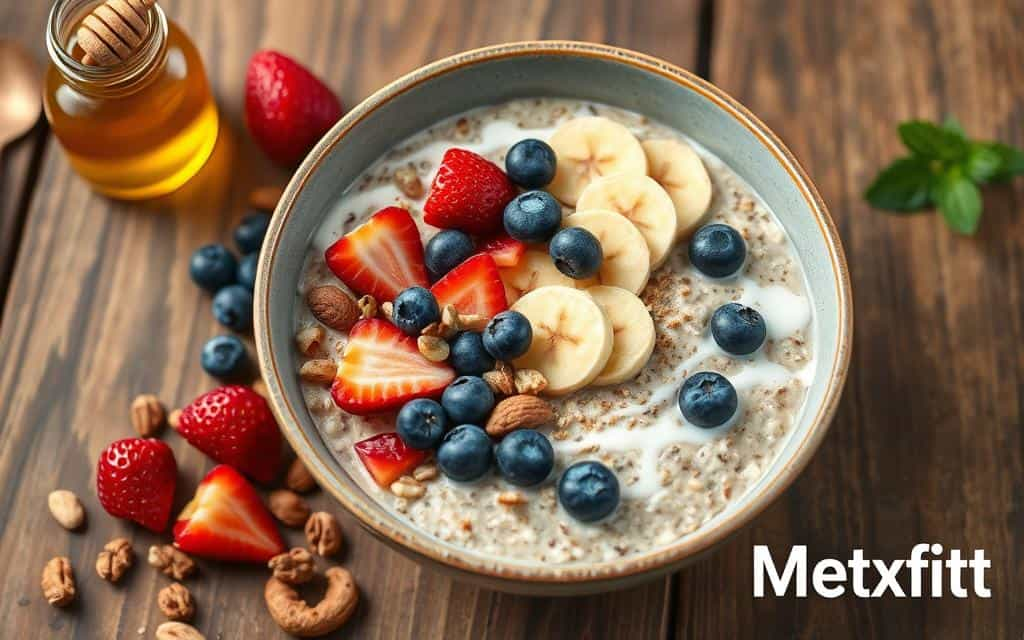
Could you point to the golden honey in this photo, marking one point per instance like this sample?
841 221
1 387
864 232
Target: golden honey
138 129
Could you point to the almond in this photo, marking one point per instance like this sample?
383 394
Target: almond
298 478
519 412
333 307
66 509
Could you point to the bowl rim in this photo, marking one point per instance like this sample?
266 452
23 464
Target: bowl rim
420 544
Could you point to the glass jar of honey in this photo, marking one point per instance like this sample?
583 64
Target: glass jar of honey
136 129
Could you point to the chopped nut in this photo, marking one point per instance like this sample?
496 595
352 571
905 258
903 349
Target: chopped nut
433 330
288 507
433 348
511 498
260 387
171 562
292 567
323 534
298 478
408 487
425 472
473 322
318 371
408 181
519 412
530 381
387 310
176 602
265 198
115 559
66 509
333 307
58 582
148 415
309 340
502 379
174 417
367 307
449 321
178 631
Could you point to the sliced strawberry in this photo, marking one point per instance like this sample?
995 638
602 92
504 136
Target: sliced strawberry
474 287
381 369
382 257
387 458
226 520
469 193
505 249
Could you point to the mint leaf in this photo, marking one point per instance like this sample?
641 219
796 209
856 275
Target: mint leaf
902 186
984 162
933 142
959 200
1011 161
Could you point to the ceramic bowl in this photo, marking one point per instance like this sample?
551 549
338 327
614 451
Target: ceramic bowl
565 69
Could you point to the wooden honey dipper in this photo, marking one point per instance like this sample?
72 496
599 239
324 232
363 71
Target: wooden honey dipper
113 31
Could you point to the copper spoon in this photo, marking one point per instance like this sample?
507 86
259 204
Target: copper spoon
21 88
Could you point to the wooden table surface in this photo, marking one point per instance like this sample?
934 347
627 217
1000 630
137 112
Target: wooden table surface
927 445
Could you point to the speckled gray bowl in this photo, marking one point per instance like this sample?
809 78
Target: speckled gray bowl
567 69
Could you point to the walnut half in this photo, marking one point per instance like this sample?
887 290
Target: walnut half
115 559
58 582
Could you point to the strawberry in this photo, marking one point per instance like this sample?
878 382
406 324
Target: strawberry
287 108
382 369
233 425
387 458
135 479
226 520
382 257
474 287
505 249
468 193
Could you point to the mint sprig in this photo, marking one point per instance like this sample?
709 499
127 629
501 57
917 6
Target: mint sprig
944 169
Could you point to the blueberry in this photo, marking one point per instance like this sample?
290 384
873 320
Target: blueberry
250 231
468 355
739 330
717 250
533 216
445 251
414 309
421 423
530 163
588 490
247 271
465 453
525 457
576 252
468 400
212 267
232 307
508 335
224 357
708 399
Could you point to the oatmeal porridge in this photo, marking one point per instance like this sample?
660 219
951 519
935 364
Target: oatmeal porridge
679 453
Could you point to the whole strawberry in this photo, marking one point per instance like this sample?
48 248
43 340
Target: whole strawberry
287 108
135 479
233 425
469 193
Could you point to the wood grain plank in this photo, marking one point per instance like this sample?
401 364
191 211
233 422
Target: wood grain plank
927 445
101 308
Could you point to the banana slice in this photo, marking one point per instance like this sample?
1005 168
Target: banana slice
536 269
588 148
572 337
627 260
632 331
643 201
679 170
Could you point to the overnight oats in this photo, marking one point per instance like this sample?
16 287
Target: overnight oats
553 331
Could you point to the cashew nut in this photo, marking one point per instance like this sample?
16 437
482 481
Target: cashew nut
292 614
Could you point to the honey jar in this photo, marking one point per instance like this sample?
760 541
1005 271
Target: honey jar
141 126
